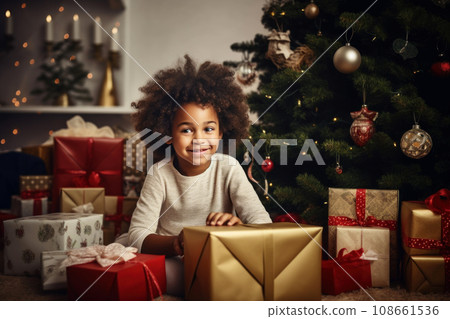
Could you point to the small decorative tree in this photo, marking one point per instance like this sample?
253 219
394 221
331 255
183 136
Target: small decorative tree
63 76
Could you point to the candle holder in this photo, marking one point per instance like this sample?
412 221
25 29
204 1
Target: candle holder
8 43
97 50
114 57
48 48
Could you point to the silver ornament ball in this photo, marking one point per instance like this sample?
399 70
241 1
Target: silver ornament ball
347 59
245 73
416 143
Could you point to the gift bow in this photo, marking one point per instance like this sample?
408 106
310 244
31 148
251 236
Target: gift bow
34 194
349 257
361 220
110 255
84 209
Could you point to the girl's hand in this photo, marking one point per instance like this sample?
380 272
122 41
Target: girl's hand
222 219
178 244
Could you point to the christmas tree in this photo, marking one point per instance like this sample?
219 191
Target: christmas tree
308 89
63 75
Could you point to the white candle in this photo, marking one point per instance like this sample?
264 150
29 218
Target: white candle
9 23
49 29
115 36
76 28
97 31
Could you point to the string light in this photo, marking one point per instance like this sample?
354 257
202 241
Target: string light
2 141
24 5
270 184
89 76
56 81
25 44
299 102
61 9
16 63
117 24
72 58
315 142
18 92
50 132
283 13
15 131
335 119
351 148
32 61
17 104
52 60
24 100
272 13
395 144
268 96
66 36
14 100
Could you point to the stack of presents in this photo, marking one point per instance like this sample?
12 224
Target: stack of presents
82 207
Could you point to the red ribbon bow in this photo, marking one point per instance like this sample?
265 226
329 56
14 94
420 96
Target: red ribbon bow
349 257
439 203
361 220
34 194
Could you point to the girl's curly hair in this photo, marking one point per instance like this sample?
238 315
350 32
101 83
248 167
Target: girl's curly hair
211 85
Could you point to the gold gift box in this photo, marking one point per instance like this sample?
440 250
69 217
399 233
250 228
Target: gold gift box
280 261
73 197
36 183
425 274
381 204
128 207
45 152
375 239
419 222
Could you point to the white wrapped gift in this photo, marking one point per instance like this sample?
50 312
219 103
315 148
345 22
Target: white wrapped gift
53 276
26 238
375 242
28 207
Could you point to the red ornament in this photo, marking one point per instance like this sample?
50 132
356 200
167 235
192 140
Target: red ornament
339 169
441 69
362 127
94 179
267 165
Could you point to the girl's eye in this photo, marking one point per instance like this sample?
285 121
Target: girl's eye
186 130
209 129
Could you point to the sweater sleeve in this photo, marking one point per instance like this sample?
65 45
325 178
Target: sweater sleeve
148 209
244 198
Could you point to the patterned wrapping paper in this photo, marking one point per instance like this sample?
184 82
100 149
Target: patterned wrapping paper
374 239
73 197
27 237
36 183
52 276
279 261
45 152
427 274
381 209
133 179
29 207
118 212
421 230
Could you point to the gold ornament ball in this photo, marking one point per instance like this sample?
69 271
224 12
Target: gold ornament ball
347 59
416 143
311 11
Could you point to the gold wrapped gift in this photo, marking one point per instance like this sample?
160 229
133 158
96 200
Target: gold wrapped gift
118 212
73 197
45 152
418 222
280 261
425 274
381 207
375 242
36 183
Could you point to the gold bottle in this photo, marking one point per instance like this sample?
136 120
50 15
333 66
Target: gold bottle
108 95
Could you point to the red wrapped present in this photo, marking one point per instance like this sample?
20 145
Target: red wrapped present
87 162
336 278
141 278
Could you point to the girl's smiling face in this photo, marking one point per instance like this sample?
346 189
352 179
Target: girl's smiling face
195 137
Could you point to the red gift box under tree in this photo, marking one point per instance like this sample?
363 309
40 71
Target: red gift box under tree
87 162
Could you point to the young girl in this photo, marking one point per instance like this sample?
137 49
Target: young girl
196 108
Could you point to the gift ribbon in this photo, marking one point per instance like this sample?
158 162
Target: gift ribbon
349 257
88 177
37 206
447 272
149 278
438 203
119 217
33 194
361 220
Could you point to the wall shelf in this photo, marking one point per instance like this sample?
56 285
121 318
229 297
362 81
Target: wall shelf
37 109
